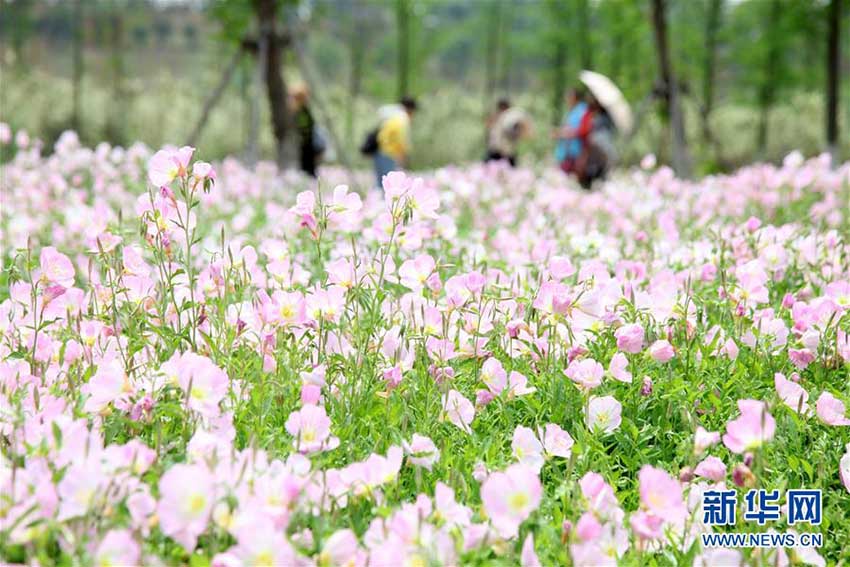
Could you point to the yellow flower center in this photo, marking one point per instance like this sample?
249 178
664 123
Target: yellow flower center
264 558
308 434
286 311
197 502
518 501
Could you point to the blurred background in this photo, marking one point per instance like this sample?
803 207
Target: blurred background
754 79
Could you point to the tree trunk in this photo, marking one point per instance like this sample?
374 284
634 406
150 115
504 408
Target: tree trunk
505 54
355 73
833 79
560 18
670 96
767 91
77 78
119 108
267 15
403 48
712 26
494 32
214 97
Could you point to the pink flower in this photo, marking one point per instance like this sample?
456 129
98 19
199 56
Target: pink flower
560 267
205 383
56 268
704 439
661 351
449 510
344 203
557 442
311 428
527 448
414 273
792 394
310 394
107 385
186 499
588 527
844 469
711 468
598 493
203 170
647 526
586 373
494 376
117 548
395 184
421 451
342 549
801 358
518 385
661 494
553 298
528 558
258 543
752 429
630 338
458 410
617 368
510 497
603 414
730 349
168 164
831 410
375 471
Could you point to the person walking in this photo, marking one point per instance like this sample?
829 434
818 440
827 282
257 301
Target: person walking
574 130
390 143
505 128
310 142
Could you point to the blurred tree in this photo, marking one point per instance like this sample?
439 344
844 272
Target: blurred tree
833 85
77 78
669 92
712 27
18 24
492 50
403 40
770 78
115 126
270 45
559 17
356 52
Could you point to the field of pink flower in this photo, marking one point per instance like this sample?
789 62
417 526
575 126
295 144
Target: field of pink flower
212 365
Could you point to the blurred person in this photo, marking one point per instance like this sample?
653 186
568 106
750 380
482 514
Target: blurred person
311 144
603 134
505 128
575 128
599 151
389 144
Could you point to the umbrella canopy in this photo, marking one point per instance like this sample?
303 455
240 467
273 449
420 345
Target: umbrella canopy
610 97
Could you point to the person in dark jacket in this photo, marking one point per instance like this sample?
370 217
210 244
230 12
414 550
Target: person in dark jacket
309 151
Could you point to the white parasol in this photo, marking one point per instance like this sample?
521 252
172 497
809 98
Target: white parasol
610 97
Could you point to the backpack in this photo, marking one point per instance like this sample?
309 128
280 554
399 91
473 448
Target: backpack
370 144
319 141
